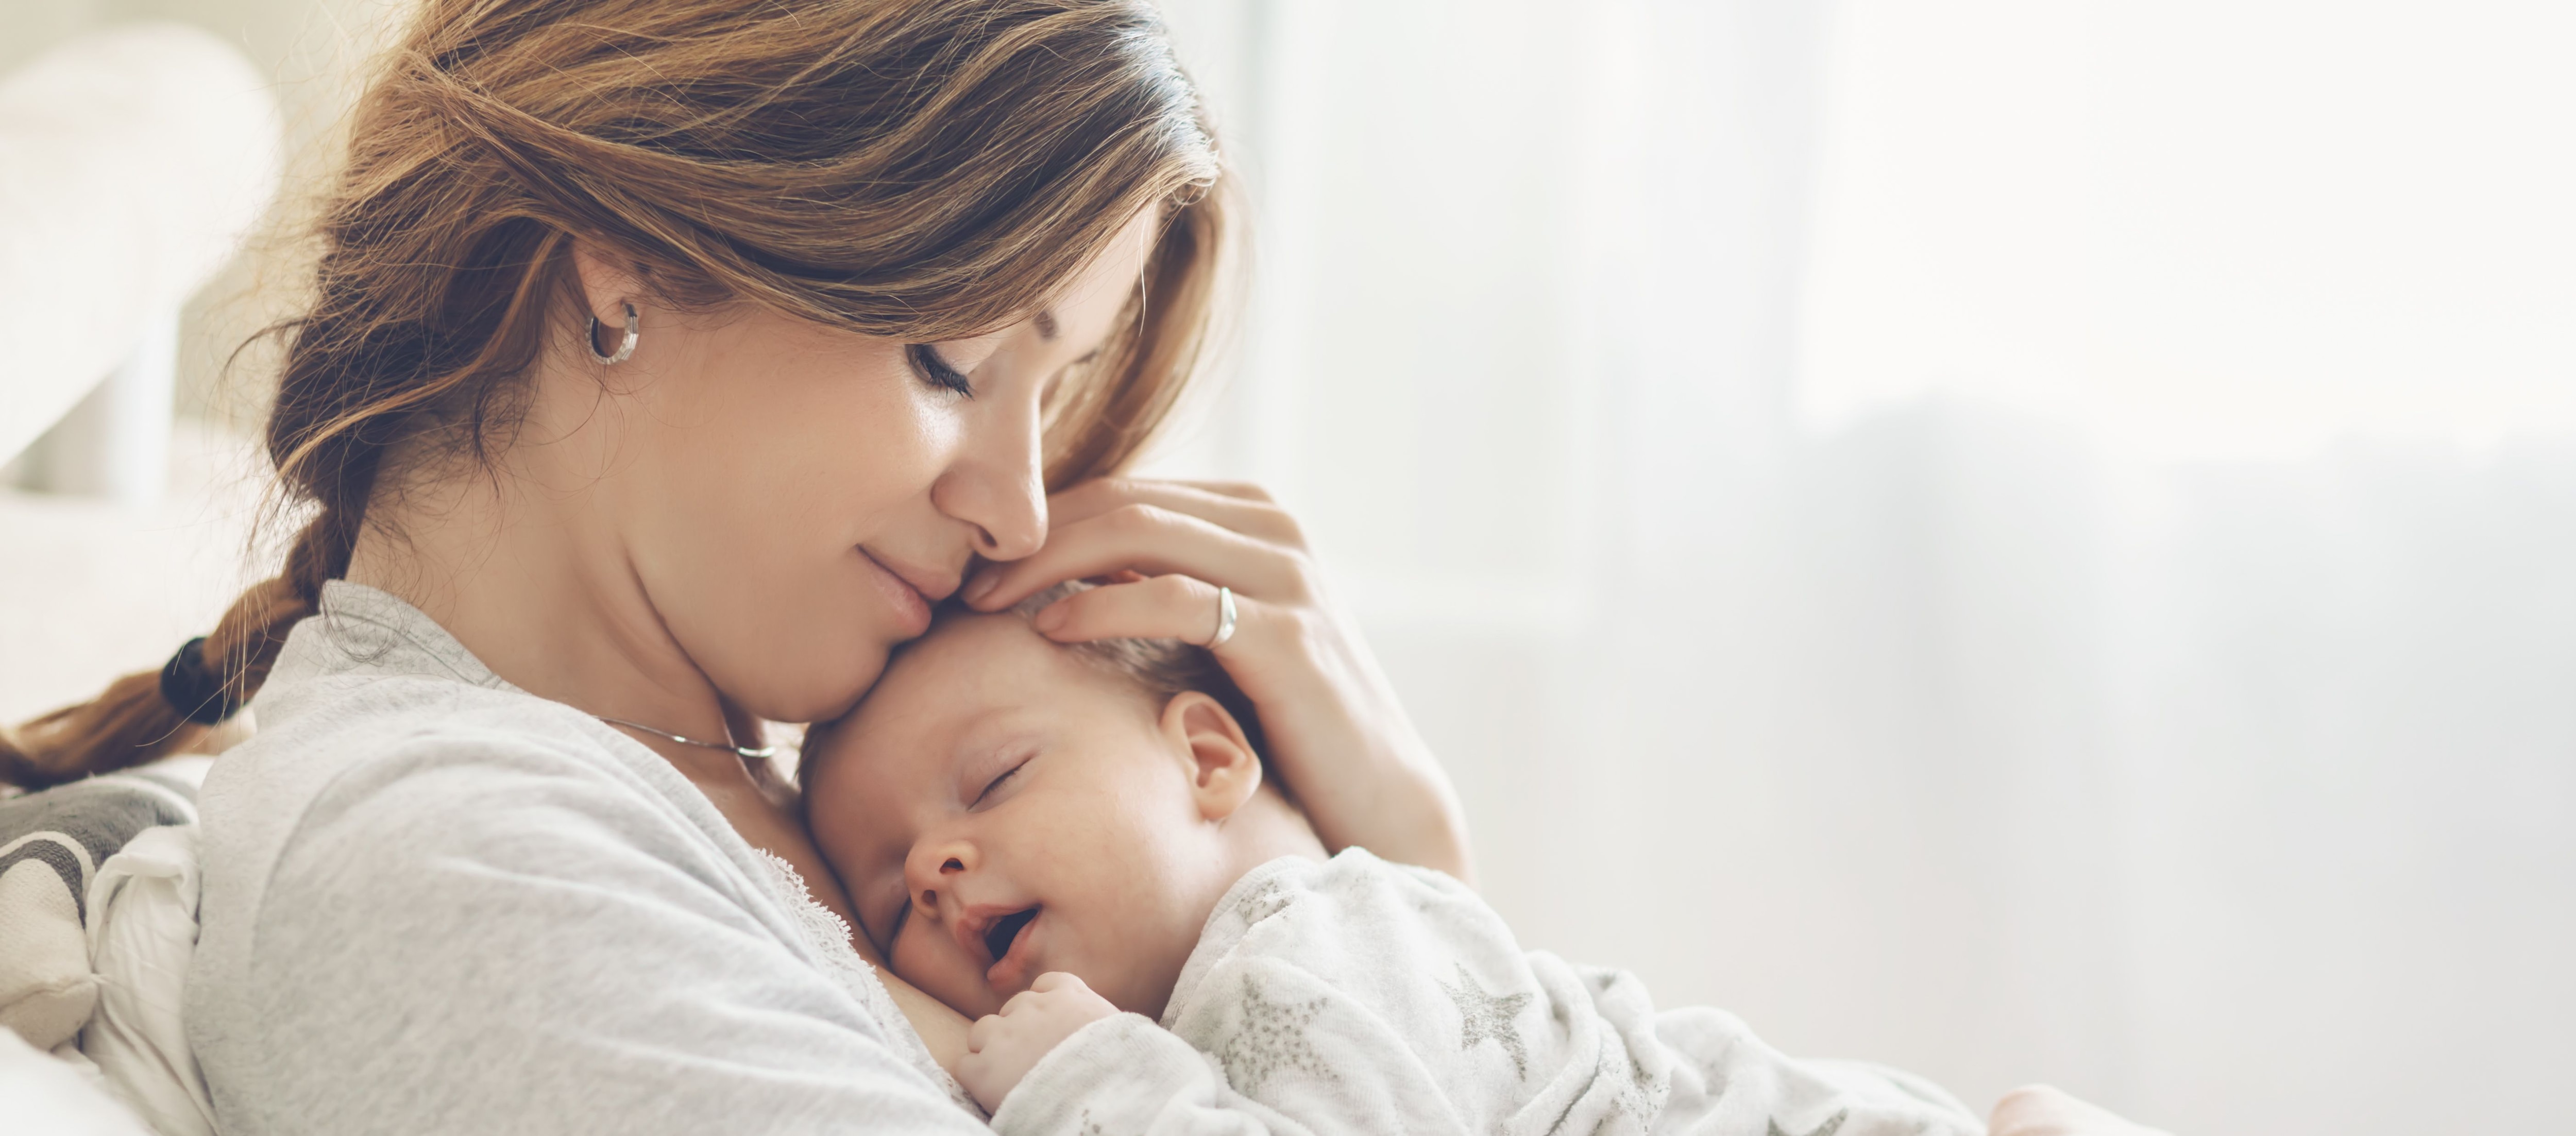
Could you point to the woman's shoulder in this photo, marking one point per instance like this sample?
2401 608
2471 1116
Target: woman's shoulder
389 747
374 711
392 777
440 885
427 789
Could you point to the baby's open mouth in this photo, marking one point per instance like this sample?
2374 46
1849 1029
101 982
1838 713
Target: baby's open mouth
999 936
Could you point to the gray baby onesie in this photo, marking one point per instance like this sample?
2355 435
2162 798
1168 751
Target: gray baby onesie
1359 996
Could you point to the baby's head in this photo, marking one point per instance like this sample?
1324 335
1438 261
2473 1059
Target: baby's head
1001 805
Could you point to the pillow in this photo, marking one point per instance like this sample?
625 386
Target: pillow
50 845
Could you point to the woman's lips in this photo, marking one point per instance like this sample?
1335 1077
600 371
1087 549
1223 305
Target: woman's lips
910 606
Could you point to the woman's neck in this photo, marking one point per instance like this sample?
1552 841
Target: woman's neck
539 592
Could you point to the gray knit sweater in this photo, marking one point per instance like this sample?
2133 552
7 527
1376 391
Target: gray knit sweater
436 903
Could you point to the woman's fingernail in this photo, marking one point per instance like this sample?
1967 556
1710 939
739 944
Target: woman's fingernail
982 586
1048 620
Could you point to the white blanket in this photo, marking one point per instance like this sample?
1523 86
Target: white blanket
142 931
39 1093
1357 996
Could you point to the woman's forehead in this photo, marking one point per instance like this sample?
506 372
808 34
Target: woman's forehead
1090 303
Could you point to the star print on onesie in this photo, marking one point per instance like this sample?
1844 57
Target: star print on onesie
1272 1039
1318 1000
1489 1017
1831 1125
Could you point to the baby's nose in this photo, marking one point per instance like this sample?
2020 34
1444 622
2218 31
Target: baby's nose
932 868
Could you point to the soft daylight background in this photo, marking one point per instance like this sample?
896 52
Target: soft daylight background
2022 540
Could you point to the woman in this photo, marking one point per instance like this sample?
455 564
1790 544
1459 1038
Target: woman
666 360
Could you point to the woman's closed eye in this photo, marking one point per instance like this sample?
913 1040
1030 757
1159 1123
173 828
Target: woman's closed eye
933 369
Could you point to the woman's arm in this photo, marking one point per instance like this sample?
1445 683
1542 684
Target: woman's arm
1337 734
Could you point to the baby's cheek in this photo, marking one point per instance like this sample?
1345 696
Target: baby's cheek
1136 968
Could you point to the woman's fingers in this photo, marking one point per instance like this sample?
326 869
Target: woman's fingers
1157 551
1162 607
2043 1110
1147 539
1243 489
1243 508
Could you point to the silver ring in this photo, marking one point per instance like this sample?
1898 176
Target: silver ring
625 347
1224 618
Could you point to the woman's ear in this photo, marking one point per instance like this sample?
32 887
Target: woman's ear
1224 771
607 284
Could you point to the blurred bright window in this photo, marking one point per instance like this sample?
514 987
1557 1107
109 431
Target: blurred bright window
2201 228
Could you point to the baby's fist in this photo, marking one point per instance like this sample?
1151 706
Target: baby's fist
1003 1047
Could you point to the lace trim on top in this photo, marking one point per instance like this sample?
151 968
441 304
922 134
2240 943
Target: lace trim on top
830 936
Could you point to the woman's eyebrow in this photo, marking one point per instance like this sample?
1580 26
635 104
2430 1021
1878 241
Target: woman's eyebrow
1046 324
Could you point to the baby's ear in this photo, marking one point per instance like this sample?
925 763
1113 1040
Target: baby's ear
1224 771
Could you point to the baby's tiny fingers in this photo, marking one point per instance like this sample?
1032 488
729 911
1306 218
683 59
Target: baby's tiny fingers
1053 980
1017 1002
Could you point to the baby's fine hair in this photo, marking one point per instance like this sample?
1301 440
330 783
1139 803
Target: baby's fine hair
1160 667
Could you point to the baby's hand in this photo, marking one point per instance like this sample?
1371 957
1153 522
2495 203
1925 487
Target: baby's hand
1003 1047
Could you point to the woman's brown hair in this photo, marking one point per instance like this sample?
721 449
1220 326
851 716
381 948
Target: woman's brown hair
917 169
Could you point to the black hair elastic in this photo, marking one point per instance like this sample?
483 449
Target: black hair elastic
197 694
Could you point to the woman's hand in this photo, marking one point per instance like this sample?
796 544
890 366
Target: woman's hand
2039 1110
1003 1047
1337 735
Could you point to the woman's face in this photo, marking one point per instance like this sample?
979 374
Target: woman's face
791 498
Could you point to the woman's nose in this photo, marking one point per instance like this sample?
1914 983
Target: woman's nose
999 487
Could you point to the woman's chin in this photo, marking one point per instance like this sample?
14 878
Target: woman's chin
823 689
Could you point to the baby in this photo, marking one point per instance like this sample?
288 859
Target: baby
1078 845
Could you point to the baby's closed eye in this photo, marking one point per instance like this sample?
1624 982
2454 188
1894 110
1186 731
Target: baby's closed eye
988 780
996 782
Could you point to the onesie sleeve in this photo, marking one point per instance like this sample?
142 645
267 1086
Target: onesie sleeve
1124 1074
1358 996
1281 1022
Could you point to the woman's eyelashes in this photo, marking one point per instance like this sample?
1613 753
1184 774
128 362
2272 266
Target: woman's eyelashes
931 368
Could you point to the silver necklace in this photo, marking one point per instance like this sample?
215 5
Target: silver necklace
747 753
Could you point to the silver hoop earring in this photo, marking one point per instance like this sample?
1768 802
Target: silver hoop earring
625 347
